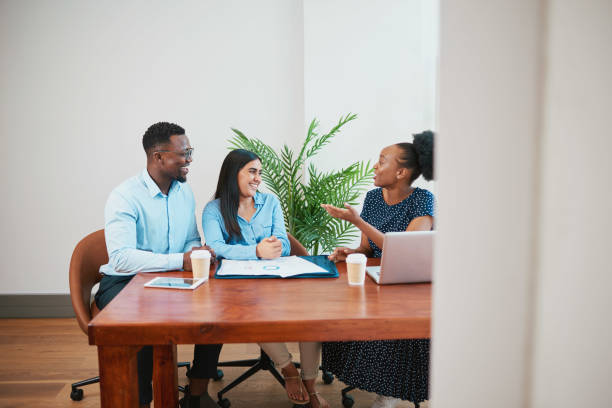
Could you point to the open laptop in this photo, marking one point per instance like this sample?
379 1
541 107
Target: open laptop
406 258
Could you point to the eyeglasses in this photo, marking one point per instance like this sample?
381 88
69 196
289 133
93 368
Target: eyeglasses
186 153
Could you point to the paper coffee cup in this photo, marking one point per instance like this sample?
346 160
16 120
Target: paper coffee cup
200 263
355 268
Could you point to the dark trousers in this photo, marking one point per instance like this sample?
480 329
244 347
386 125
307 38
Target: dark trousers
205 356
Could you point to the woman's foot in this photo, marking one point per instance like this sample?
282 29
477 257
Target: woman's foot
296 391
385 402
316 400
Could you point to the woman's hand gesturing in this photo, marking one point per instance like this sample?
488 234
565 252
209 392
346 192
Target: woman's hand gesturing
348 213
340 254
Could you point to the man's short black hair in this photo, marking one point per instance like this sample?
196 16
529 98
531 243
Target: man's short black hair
159 134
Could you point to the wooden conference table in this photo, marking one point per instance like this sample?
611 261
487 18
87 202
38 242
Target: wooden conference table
242 311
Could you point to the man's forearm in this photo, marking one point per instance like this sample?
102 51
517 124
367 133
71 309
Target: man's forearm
130 261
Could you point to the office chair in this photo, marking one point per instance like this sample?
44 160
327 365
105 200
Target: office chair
263 362
88 255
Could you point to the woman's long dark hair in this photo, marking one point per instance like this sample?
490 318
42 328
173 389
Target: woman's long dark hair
227 188
418 156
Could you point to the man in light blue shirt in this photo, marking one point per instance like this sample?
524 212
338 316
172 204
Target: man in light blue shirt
147 230
150 226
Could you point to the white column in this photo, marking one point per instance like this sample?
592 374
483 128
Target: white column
573 331
522 295
486 153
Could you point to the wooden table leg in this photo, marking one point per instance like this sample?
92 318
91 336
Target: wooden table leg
165 376
118 376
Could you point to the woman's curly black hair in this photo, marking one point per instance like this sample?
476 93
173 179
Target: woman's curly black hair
418 156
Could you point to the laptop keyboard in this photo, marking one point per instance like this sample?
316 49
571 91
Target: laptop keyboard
375 270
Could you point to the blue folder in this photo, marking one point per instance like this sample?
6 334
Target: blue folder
320 260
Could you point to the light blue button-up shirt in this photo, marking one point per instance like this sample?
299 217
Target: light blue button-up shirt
267 221
147 231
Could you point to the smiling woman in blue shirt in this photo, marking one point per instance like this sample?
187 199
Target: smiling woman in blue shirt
242 223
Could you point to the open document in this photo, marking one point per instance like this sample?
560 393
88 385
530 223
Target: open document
283 267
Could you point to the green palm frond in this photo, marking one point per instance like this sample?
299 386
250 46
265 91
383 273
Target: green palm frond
319 142
301 201
310 135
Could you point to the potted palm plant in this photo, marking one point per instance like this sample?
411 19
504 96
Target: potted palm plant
301 188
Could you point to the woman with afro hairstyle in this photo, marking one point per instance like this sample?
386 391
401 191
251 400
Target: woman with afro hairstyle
393 369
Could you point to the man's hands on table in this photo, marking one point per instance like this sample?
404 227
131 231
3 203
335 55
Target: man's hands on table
187 257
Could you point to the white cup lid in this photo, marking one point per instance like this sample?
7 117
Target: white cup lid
356 258
200 253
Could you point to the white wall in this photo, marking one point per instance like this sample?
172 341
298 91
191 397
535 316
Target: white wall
81 82
522 294
377 60
374 59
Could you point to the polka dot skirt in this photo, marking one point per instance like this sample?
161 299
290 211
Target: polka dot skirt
395 368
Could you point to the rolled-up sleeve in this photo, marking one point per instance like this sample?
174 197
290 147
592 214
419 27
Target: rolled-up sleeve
278 226
215 236
120 234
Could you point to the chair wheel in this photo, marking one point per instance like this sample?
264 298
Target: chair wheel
224 403
76 394
347 401
328 377
218 376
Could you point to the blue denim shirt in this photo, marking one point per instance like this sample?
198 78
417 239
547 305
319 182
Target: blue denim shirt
147 231
267 220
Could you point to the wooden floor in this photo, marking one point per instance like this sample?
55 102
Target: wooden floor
40 358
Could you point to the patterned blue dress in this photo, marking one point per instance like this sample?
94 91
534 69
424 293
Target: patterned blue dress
395 368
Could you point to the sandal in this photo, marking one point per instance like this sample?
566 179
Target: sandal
317 395
301 387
